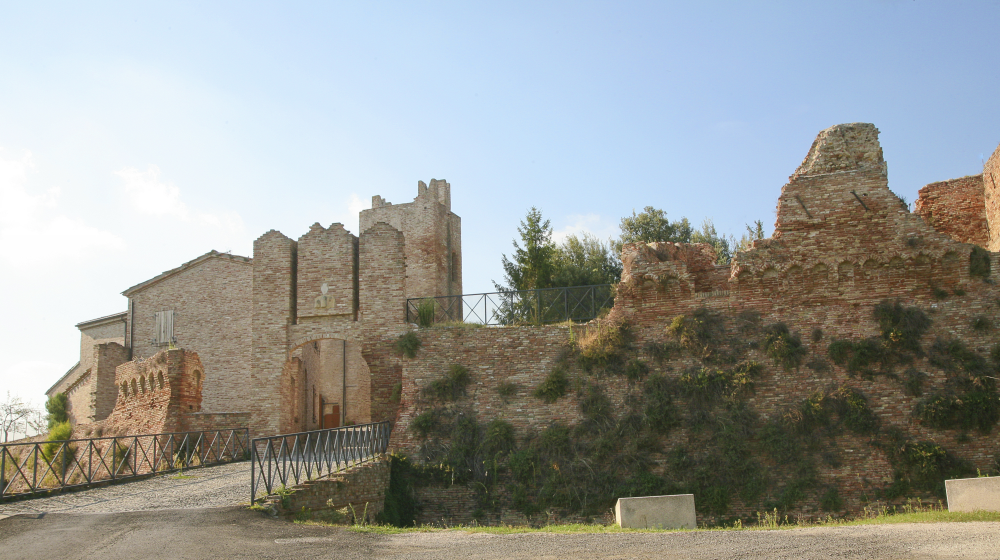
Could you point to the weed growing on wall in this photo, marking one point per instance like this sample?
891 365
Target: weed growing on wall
783 347
979 263
451 387
603 347
555 385
407 344
425 312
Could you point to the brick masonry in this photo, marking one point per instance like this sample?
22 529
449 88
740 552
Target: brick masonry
956 208
361 487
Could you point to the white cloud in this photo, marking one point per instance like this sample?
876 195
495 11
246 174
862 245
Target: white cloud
348 210
147 194
585 223
34 231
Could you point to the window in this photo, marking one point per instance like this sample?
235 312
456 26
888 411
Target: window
163 331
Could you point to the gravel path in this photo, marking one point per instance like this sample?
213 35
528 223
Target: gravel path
240 533
207 487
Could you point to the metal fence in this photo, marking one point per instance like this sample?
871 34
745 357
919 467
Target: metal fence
514 307
293 458
38 467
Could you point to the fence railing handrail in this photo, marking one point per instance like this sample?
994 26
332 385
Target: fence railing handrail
514 307
30 468
302 456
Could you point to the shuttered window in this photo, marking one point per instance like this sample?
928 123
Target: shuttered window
164 329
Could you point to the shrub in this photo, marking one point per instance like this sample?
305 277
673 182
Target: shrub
554 385
603 346
397 392
661 412
818 365
58 408
817 334
831 500
425 423
662 351
939 293
407 344
708 385
954 357
979 263
923 467
853 409
913 384
902 327
595 405
958 292
636 369
506 390
982 324
979 409
699 332
57 435
400 509
783 347
451 387
425 312
840 351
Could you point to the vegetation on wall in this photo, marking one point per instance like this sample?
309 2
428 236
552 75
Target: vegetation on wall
683 421
58 408
407 344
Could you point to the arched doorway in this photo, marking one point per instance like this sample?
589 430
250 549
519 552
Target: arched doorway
326 383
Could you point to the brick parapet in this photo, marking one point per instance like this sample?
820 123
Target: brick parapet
991 188
956 208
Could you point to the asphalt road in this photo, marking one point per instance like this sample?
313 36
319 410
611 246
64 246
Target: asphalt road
239 533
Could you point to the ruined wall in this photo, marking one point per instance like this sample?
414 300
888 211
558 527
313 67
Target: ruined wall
991 173
155 393
956 208
211 300
843 244
433 237
91 396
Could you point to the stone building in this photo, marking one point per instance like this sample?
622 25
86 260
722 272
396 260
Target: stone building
287 336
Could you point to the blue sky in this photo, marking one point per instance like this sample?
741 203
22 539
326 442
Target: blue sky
136 136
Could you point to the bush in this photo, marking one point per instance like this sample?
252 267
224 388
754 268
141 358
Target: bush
407 344
604 346
902 327
853 409
57 435
923 467
425 312
400 509
425 423
979 409
979 263
397 392
451 387
913 385
939 293
982 324
783 347
636 369
506 390
709 385
595 405
840 351
662 351
831 500
817 334
554 385
700 333
661 412
58 408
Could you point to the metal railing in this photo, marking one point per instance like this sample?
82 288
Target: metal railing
293 458
514 307
40 467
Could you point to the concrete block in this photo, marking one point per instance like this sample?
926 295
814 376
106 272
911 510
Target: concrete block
973 494
656 512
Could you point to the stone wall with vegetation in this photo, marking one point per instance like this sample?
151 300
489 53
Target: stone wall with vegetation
850 359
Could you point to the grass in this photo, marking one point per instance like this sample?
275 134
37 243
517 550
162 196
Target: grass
765 521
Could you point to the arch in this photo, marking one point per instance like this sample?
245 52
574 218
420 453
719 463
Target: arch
896 262
124 389
135 388
768 273
142 384
152 383
159 378
197 379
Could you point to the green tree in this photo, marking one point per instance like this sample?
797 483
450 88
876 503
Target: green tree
58 409
532 266
652 225
746 240
721 244
585 261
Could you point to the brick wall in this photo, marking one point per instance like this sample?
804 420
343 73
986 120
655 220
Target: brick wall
843 243
326 256
956 208
433 235
361 487
991 174
211 300
273 313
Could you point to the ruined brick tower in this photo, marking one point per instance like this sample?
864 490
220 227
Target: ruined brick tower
322 303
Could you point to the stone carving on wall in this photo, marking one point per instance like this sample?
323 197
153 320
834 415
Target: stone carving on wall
325 301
